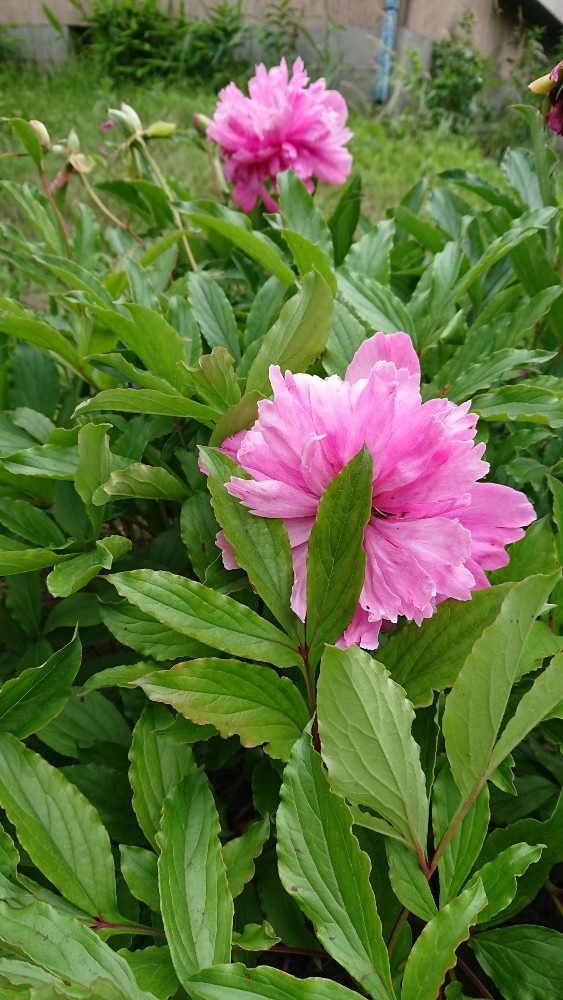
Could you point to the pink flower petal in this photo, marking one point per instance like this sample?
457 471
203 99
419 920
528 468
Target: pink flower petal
395 347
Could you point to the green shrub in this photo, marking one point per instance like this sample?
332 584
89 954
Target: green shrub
164 721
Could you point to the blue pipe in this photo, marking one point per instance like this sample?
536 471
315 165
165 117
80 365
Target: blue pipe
387 46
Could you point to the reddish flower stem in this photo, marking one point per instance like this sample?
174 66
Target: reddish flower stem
55 207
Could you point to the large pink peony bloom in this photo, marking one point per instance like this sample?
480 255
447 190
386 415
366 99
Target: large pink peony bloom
434 527
282 125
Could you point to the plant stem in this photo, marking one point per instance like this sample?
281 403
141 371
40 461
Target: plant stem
304 652
102 925
58 216
107 212
475 979
175 215
401 920
450 832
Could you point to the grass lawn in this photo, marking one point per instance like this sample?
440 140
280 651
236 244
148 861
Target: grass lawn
391 160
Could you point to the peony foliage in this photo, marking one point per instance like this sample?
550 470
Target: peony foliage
281 527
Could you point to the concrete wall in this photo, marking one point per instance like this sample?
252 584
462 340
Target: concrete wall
354 47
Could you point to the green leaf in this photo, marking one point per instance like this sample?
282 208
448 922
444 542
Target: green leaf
118 676
299 335
149 401
309 257
499 877
139 869
195 610
530 831
240 853
235 982
16 560
256 245
59 829
255 937
336 560
322 866
40 334
544 698
141 481
237 698
463 849
426 658
477 702
76 572
365 725
434 951
48 461
85 720
147 636
94 468
214 378
37 695
159 346
374 303
299 212
64 947
153 970
30 523
534 553
28 138
526 402
525 962
261 545
197 907
370 256
498 367
409 883
157 765
344 339
214 313
345 217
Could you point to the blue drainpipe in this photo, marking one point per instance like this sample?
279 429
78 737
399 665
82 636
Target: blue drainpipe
387 46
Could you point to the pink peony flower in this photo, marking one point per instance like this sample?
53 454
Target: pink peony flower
282 125
434 527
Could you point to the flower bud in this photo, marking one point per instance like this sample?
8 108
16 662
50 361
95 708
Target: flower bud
159 130
73 142
41 133
201 123
126 119
542 85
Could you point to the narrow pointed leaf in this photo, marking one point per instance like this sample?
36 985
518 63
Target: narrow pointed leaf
544 698
410 885
236 982
477 702
525 962
58 828
64 947
240 853
434 951
428 657
197 907
204 614
463 849
157 765
298 337
336 560
499 877
261 544
237 698
28 702
365 725
323 867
